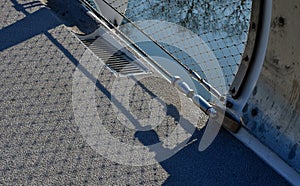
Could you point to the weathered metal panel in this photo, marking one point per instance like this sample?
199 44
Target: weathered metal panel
273 111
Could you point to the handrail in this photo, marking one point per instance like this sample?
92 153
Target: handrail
192 73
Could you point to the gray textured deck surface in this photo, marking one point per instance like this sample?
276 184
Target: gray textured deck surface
40 142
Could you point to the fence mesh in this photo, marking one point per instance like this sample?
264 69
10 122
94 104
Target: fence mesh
222 25
41 143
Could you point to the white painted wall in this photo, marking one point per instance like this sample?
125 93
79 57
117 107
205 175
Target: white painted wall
272 113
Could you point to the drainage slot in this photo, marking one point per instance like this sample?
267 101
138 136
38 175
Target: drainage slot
117 60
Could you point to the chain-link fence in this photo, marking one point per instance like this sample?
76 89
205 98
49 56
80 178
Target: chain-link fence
40 140
222 26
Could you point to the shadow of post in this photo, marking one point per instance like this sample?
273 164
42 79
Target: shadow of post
222 163
33 24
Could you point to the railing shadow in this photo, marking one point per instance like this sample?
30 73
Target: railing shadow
33 24
222 163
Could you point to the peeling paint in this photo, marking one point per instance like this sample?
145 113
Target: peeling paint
279 22
273 111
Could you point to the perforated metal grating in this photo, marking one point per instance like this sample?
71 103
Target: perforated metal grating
222 25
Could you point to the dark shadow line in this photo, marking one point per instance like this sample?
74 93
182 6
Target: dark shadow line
171 109
31 21
189 166
28 27
95 80
22 7
19 7
32 3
